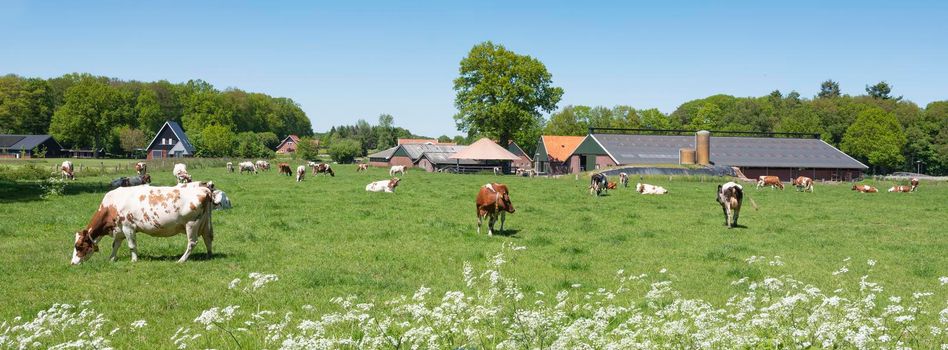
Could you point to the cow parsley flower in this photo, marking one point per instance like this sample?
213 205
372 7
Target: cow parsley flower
943 280
139 324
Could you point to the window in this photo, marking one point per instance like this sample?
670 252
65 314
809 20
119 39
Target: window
178 154
162 140
156 154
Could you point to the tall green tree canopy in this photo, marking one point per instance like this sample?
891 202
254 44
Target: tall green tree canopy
829 89
90 110
877 137
500 94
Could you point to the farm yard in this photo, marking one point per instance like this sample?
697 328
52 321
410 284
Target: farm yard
326 238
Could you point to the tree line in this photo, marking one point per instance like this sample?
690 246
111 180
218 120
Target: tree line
83 111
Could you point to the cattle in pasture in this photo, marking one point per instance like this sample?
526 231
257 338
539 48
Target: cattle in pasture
285 169
802 183
730 196
900 188
865 189
131 181
141 168
300 172
649 189
180 173
611 185
249 167
362 167
383 185
220 200
396 169
624 179
493 200
263 165
322 168
767 180
67 170
230 167
497 171
598 183
914 184
526 172
156 211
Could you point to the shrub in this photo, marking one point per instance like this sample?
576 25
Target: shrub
306 149
345 150
27 172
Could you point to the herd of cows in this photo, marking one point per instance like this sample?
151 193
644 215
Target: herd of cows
133 206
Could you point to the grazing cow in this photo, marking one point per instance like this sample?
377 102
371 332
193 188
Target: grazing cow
772 181
383 185
497 171
180 173
141 168
362 167
611 185
730 196
156 211
493 199
131 181
624 179
649 189
395 169
300 172
914 184
322 168
802 183
901 188
230 167
220 200
865 189
263 165
598 183
285 169
526 172
248 167
67 170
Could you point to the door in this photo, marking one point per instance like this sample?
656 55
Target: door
590 162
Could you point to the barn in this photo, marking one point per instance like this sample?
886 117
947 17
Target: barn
410 154
553 153
524 161
170 142
29 146
288 145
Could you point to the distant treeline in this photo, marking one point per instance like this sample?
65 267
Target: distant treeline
117 116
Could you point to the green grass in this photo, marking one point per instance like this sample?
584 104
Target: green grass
327 237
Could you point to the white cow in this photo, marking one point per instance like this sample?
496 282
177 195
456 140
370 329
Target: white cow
230 167
300 173
247 166
180 173
383 185
396 169
263 165
67 170
156 211
649 189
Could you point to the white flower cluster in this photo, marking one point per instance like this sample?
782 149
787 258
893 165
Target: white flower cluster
62 326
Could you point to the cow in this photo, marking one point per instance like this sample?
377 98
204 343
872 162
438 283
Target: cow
362 167
598 183
156 211
141 168
649 189
730 196
914 184
383 185
611 185
248 167
493 199
395 169
526 172
802 183
865 189
180 173
624 179
67 170
220 200
230 167
900 188
300 172
285 169
772 181
131 181
263 165
322 168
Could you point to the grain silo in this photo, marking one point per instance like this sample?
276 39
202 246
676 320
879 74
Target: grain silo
703 147
686 155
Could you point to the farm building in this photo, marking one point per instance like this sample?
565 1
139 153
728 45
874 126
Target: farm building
753 156
423 141
553 153
487 153
170 142
525 162
288 145
411 154
27 146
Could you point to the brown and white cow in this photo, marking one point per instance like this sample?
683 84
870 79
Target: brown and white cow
730 196
322 168
300 172
649 189
611 185
624 179
230 167
900 188
914 184
263 165
362 167
285 169
802 183
865 189
180 173
395 169
598 183
220 199
156 211
67 170
249 167
768 180
141 168
387 186
493 199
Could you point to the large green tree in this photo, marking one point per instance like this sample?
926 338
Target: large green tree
501 93
90 110
829 89
876 137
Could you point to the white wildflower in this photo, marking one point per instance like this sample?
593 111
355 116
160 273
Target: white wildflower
139 324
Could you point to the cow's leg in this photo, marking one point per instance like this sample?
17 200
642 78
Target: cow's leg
132 243
724 209
208 235
737 213
480 219
503 217
192 233
116 242
490 224
730 217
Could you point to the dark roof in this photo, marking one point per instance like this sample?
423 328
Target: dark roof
386 154
443 158
731 151
23 142
178 131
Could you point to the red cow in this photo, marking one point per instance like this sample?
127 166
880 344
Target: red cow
802 183
493 199
914 184
285 169
900 188
865 189
772 181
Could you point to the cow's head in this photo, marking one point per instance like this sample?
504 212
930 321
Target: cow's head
504 198
393 183
84 247
221 201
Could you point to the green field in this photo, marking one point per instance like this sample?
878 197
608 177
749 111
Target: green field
327 237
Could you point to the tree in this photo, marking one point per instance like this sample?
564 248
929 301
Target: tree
803 120
444 139
345 150
149 113
500 92
385 136
268 139
881 91
307 149
829 89
91 109
876 136
217 141
131 139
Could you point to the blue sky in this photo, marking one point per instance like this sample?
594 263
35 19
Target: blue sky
343 61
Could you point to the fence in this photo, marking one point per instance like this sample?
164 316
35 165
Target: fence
128 167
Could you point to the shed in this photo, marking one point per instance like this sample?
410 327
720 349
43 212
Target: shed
26 146
553 153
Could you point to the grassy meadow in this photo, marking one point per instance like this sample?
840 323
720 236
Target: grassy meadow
327 237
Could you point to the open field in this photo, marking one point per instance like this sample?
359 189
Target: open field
327 237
